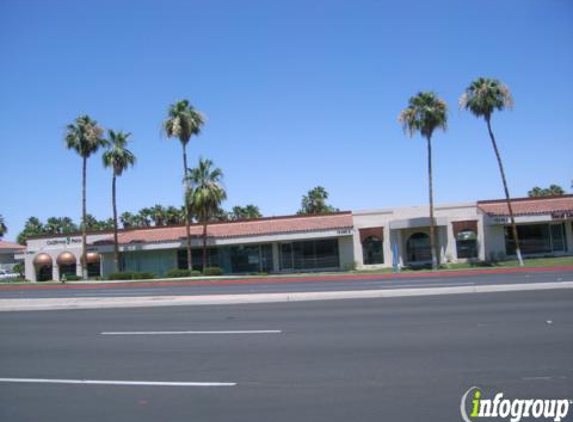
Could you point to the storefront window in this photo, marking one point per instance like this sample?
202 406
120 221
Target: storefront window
372 251
197 258
536 239
233 259
309 255
68 269
466 244
418 248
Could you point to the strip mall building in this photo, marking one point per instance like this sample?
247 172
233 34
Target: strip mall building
476 231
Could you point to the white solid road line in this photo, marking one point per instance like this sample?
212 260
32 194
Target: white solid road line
151 333
119 382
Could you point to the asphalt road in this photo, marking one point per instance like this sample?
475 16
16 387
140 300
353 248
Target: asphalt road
327 284
396 359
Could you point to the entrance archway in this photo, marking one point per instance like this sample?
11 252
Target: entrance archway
43 267
66 264
93 260
418 248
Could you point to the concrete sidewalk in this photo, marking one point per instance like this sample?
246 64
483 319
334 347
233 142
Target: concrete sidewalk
225 299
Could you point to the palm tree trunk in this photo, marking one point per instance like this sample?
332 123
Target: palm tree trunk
507 197
432 222
204 243
115 242
187 222
84 235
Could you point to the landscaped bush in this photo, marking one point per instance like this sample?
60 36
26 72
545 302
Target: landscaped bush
213 271
143 275
131 275
177 273
72 277
123 275
19 269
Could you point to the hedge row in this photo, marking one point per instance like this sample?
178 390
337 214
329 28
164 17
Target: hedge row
174 273
177 273
131 275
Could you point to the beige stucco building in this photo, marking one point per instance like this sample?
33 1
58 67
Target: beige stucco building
390 237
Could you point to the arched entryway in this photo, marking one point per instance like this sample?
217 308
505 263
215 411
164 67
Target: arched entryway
66 264
418 248
94 267
43 267
372 251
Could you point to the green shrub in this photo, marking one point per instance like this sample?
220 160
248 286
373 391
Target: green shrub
72 277
19 269
122 275
131 275
213 271
142 275
177 273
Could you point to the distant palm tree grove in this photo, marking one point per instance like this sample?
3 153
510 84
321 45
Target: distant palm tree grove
202 186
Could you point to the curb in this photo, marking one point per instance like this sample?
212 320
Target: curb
272 280
7 305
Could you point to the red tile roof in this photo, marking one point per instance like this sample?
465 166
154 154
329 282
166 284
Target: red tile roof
556 205
10 245
258 227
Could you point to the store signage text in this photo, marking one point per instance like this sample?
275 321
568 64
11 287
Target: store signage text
64 241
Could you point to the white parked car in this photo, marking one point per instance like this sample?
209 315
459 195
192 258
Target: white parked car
7 275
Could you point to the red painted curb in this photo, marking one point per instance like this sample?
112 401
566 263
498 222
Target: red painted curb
333 277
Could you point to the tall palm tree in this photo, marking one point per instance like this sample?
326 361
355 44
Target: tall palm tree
3 228
482 98
119 158
182 122
426 113
85 137
206 194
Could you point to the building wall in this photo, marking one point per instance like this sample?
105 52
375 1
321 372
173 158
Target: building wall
55 246
346 252
445 214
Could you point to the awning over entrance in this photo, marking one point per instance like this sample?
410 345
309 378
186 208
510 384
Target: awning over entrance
66 258
417 222
93 257
43 259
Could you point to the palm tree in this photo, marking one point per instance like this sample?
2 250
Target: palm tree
173 215
252 211
33 227
3 228
249 211
206 195
314 202
426 113
482 98
159 215
85 137
144 217
182 122
119 158
127 220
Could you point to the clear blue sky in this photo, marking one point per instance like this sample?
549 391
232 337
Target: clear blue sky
297 93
